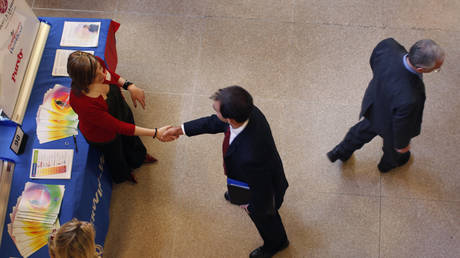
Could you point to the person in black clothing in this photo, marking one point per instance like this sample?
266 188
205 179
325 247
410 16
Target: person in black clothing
250 156
393 104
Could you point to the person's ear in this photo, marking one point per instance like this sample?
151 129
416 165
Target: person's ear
230 121
420 69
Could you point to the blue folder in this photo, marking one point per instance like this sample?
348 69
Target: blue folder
238 191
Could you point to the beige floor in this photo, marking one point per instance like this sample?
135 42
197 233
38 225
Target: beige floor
306 64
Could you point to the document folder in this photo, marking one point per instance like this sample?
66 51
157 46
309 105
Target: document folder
238 191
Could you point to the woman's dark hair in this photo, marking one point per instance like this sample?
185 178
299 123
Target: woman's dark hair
81 67
235 103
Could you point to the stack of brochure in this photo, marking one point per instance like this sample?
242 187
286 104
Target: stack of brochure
35 216
55 118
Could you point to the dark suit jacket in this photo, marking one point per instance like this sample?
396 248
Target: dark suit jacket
395 97
252 157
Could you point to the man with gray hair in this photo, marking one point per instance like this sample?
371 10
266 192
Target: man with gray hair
392 106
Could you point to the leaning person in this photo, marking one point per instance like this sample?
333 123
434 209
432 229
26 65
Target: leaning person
105 119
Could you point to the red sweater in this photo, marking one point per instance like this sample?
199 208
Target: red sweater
96 123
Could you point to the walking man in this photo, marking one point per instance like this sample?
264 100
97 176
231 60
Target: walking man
392 106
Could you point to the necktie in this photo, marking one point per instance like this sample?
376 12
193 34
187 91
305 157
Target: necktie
225 145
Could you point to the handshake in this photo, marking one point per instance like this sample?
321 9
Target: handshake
169 133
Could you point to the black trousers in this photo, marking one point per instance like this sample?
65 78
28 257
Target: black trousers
122 155
271 230
362 133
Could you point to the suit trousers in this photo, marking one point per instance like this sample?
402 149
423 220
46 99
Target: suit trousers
271 230
362 133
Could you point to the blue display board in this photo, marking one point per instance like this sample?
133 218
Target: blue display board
87 193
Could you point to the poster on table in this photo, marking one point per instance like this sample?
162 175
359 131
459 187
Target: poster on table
18 28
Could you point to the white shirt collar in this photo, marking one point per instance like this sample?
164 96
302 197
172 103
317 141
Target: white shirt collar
234 132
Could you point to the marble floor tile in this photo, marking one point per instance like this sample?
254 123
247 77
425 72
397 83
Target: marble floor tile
101 5
345 12
159 53
422 14
313 131
219 229
418 228
249 53
74 14
257 9
306 64
432 172
330 225
328 65
161 109
170 7
137 230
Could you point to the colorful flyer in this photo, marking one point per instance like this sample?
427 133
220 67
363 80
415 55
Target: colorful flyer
51 164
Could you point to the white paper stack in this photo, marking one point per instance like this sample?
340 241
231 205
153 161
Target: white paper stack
80 34
55 118
35 216
60 61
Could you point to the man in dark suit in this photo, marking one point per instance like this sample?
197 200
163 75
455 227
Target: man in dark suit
250 156
393 103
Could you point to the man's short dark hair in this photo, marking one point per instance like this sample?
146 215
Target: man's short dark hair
235 103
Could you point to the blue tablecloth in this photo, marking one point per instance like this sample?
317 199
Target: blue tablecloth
87 193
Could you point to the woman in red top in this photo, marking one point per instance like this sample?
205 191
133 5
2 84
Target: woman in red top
105 119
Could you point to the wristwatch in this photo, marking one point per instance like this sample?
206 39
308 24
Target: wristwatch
126 84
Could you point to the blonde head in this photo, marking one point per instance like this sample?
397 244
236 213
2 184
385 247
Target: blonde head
74 239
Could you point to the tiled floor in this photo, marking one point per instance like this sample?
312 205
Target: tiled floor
306 63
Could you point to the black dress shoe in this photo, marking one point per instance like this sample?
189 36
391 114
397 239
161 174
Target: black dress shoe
384 168
226 196
404 158
260 252
334 155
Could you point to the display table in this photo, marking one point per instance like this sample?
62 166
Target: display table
87 193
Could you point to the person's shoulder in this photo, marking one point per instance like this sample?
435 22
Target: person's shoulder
257 114
83 102
75 98
390 44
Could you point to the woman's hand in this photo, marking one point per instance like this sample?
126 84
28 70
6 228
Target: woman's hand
137 94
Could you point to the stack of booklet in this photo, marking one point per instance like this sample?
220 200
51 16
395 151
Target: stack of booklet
35 216
55 118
